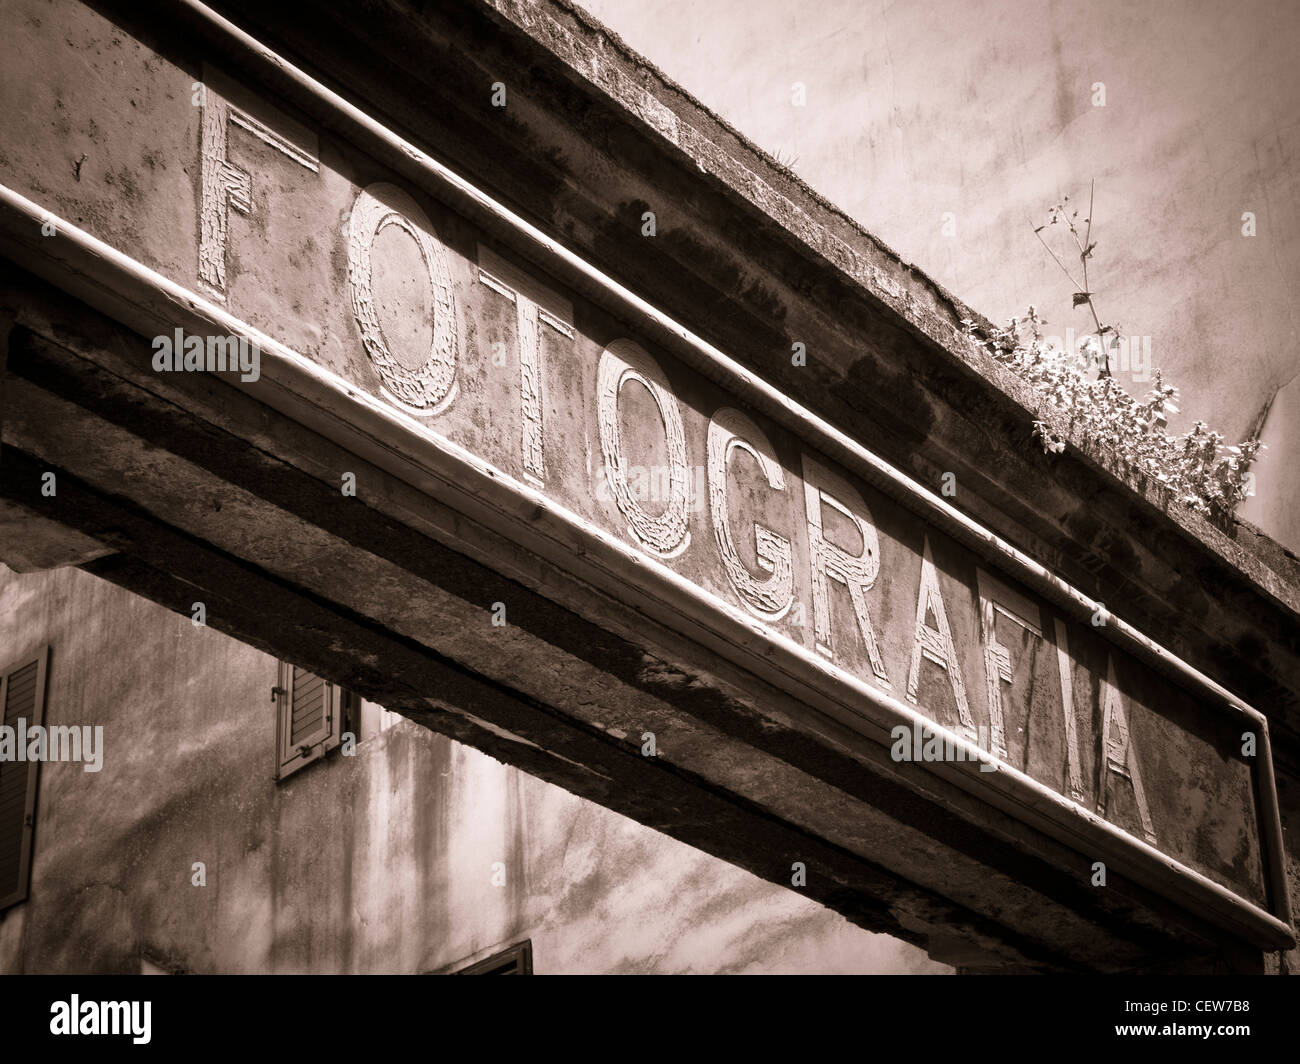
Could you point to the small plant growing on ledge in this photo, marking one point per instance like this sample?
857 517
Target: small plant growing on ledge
1197 468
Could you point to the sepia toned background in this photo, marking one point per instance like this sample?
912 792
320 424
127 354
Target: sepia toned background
985 110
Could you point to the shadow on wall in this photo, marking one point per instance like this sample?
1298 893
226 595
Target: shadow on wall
416 853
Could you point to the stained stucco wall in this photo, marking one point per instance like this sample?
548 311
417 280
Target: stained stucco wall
985 110
381 862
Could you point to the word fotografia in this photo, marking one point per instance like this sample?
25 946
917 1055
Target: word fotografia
774 527
102 1017
798 554
59 742
179 353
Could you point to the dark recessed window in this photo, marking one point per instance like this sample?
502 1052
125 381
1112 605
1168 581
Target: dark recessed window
517 960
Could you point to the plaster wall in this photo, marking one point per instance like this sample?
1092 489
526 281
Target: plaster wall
379 862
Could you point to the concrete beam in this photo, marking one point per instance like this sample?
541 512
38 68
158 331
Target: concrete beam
368 597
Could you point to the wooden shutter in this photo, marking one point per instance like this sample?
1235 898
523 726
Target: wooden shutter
22 695
310 718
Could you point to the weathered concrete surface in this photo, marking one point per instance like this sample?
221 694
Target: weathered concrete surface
283 270
31 542
381 862
825 779
1193 797
131 411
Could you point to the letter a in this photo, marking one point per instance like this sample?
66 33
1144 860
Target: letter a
936 643
1117 752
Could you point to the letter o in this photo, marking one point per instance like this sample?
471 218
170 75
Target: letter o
431 387
666 534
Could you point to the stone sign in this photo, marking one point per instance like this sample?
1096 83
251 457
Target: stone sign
749 523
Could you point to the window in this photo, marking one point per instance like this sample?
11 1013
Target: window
312 716
517 960
22 697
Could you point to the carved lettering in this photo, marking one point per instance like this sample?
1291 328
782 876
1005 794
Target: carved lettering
830 562
224 185
730 430
998 600
621 362
935 644
431 387
535 305
1118 756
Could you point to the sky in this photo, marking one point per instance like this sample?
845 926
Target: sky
946 128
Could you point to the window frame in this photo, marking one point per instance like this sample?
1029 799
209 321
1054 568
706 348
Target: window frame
521 953
334 722
27 839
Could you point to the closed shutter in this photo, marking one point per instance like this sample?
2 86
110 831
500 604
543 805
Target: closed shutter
22 696
309 720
